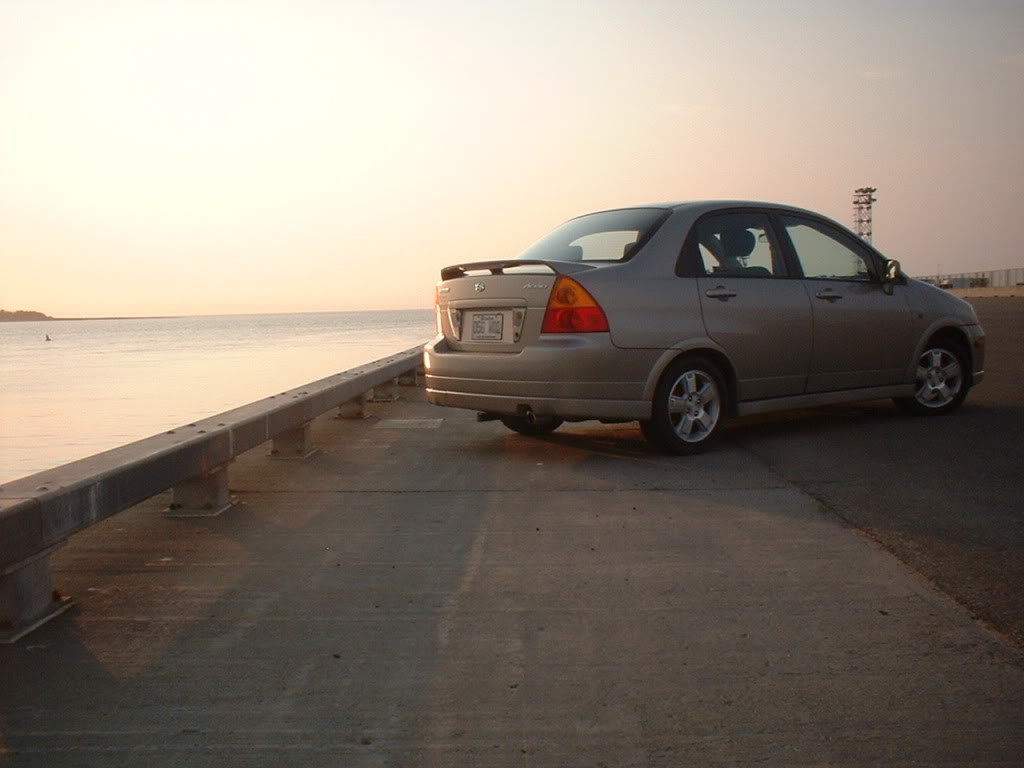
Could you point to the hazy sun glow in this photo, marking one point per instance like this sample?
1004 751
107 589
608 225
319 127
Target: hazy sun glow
177 157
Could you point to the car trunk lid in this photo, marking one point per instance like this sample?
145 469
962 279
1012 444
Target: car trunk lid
496 306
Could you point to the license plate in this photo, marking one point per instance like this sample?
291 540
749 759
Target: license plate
487 326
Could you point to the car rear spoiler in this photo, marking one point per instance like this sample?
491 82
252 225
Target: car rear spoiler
499 267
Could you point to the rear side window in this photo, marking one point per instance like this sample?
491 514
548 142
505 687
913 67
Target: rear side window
609 236
739 245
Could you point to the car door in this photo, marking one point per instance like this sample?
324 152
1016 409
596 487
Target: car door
863 337
751 305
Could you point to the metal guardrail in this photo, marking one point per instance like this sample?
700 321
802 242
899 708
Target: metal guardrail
39 512
993 278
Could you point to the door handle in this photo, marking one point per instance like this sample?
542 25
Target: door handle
829 295
721 293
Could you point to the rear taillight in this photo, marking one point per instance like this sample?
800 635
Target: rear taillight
572 310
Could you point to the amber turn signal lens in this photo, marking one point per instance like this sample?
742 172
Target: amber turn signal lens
571 309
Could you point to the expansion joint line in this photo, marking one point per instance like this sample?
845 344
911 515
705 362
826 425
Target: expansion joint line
510 491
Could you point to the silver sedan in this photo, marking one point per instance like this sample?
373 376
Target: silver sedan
682 315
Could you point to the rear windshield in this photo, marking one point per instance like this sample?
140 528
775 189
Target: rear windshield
607 236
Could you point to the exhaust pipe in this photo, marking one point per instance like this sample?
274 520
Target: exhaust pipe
526 412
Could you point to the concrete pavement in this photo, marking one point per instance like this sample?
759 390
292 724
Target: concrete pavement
429 591
946 495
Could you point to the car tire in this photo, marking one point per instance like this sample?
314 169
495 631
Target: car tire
690 405
940 380
541 425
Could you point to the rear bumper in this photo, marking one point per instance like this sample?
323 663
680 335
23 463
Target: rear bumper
564 408
577 376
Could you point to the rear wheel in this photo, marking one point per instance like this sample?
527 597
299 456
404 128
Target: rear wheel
690 405
940 380
541 425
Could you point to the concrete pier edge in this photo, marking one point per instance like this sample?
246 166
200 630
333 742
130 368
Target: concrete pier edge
39 512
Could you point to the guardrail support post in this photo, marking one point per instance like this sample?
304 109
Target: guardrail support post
294 444
27 596
206 495
385 393
354 408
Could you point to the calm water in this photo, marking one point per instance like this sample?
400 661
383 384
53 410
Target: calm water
102 383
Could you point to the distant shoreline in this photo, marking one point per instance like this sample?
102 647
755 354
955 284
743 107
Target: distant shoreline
22 316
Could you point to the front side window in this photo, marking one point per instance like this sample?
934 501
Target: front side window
598 237
822 253
739 245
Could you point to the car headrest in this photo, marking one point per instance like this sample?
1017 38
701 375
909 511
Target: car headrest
738 243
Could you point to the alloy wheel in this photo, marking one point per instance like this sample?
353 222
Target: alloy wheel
694 405
938 379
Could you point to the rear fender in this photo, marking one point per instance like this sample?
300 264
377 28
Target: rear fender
690 345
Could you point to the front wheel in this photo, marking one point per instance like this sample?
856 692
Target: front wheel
690 405
540 425
940 381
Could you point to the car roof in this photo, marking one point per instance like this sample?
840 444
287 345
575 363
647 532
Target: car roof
700 206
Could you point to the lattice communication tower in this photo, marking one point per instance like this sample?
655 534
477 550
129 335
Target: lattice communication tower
862 200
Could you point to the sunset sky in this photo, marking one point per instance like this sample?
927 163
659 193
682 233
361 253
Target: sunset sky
214 157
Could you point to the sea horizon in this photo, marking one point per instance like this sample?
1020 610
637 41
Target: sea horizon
51 318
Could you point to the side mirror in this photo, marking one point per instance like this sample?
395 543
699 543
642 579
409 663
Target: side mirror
892 275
